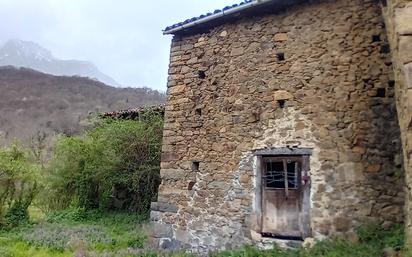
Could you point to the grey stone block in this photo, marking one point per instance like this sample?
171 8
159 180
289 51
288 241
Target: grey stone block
405 48
163 207
155 215
218 185
160 230
172 174
403 20
170 244
182 235
408 75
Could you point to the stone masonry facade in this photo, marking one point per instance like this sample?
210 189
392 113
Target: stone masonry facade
317 75
398 18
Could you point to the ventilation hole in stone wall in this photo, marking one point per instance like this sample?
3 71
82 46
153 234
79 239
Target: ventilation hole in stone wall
376 38
384 3
391 83
201 74
381 92
280 56
198 111
191 185
385 49
281 103
391 173
256 116
195 166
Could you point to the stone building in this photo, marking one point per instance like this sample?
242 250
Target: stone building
398 20
281 123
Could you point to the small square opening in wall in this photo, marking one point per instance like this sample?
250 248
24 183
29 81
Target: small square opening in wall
391 83
281 103
376 38
195 166
191 185
198 111
385 49
280 56
381 92
384 3
201 74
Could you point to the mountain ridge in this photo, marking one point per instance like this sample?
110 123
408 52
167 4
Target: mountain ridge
20 53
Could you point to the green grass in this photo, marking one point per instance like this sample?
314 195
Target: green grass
14 247
372 242
62 234
99 234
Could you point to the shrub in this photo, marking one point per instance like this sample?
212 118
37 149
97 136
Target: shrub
78 166
18 184
17 214
114 166
71 214
392 237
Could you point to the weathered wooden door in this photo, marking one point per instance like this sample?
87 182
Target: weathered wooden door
282 197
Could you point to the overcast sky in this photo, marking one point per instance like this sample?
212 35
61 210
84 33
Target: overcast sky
122 37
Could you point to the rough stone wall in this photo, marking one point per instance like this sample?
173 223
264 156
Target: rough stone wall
398 18
223 102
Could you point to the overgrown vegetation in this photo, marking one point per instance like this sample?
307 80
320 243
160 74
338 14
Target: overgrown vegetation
18 185
92 194
112 167
90 233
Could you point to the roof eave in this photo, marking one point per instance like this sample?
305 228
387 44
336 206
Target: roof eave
212 17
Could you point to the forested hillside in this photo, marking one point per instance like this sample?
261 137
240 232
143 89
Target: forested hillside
32 102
